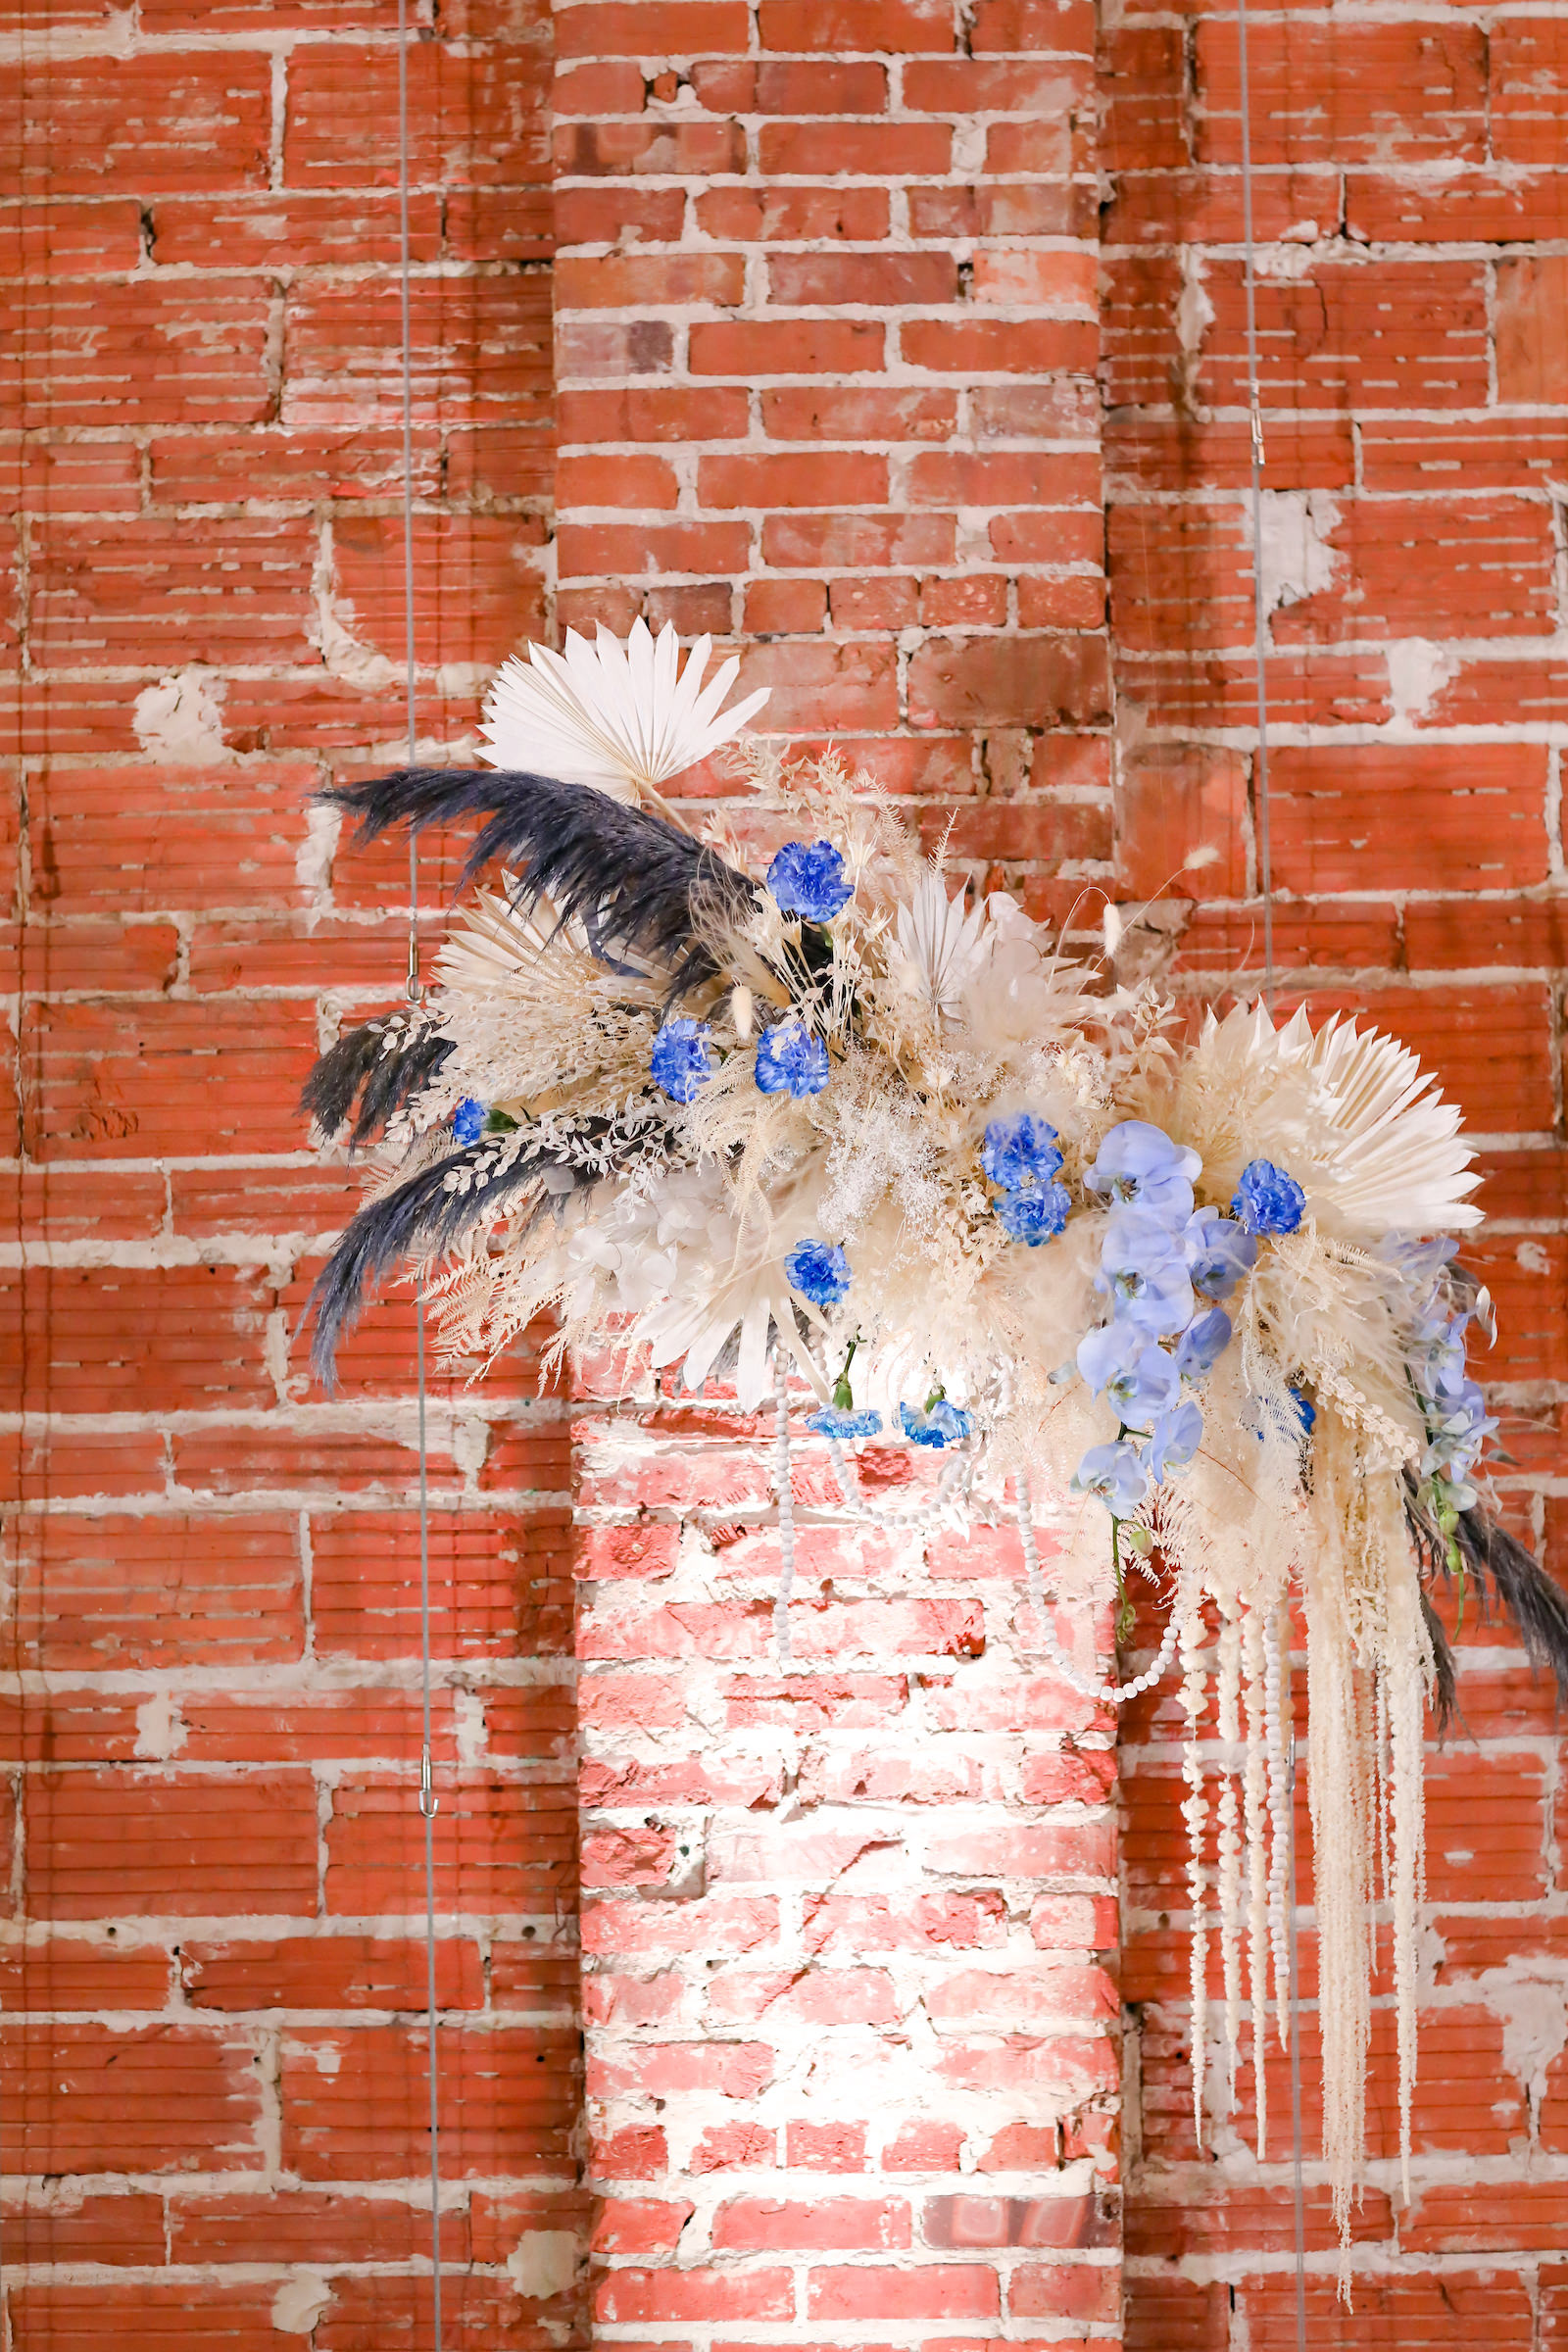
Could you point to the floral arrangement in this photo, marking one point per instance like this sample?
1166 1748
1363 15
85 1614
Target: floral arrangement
819 1114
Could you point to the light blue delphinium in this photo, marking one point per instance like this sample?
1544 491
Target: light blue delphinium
1439 1370
1020 1152
467 1122
1117 1473
682 1061
940 1424
1138 1167
789 1060
1142 1267
1037 1214
1203 1343
1455 1442
1121 1362
1176 1438
1267 1200
836 1421
1219 1253
819 1271
807 878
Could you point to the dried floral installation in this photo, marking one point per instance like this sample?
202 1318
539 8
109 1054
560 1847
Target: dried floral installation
840 1120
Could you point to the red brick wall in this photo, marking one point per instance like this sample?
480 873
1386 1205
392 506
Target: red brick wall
834 284
212 1969
1416 410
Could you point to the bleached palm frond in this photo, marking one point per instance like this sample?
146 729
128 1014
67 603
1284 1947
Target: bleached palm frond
939 945
1387 1151
1350 1111
622 719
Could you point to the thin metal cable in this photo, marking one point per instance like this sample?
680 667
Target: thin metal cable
1265 878
427 1797
1254 411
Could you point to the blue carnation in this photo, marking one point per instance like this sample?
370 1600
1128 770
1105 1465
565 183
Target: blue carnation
1176 1438
467 1122
1204 1343
819 1271
806 877
1117 1473
1267 1200
941 1424
1034 1214
1020 1151
1219 1253
789 1060
833 1421
682 1062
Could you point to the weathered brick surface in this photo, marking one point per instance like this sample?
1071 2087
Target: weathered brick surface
841 1927
1412 389
883 335
827 380
213 2051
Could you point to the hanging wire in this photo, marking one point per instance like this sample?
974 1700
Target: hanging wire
1254 415
429 1801
1265 877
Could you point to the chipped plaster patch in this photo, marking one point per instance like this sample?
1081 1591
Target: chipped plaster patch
181 717
160 1729
1296 558
300 2303
543 2264
1418 672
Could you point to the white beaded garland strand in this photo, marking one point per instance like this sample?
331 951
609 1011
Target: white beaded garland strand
784 1489
1111 1694
957 1476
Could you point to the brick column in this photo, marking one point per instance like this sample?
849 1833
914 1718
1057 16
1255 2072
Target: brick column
825 341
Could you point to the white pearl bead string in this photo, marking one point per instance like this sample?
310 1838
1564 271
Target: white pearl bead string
1112 1694
784 1489
957 1478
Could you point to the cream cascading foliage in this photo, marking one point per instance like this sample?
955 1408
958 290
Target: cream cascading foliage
814 1103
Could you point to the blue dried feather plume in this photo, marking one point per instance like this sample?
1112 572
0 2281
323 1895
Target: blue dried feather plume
426 1217
638 885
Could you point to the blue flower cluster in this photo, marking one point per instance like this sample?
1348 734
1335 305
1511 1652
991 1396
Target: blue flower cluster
807 878
1455 1408
819 1271
842 1421
1267 1200
939 1424
1164 1265
789 1060
1021 1156
467 1122
682 1060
